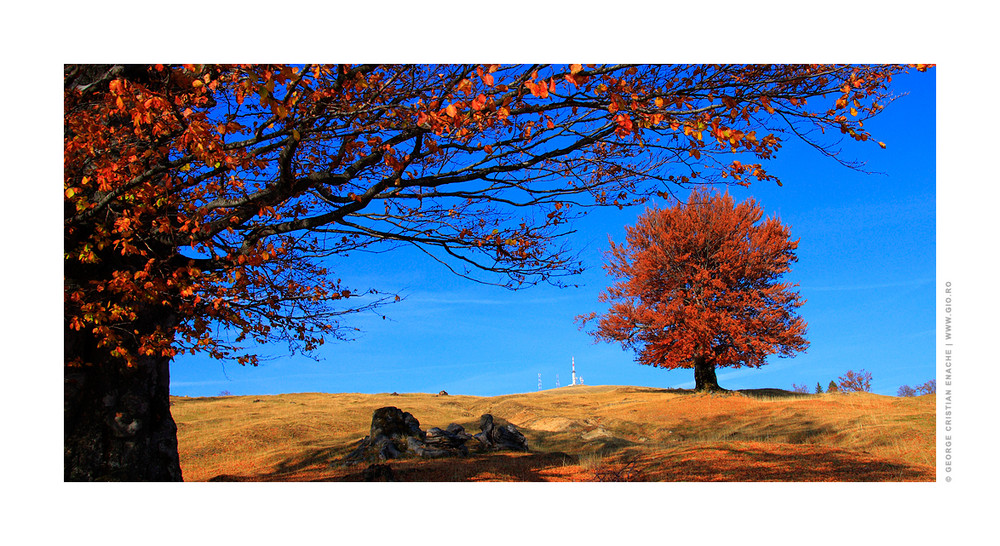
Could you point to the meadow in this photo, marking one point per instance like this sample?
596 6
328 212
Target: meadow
578 433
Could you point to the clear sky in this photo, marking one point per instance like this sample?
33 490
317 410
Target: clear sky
866 268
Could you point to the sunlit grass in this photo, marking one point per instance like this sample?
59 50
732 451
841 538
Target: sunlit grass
576 434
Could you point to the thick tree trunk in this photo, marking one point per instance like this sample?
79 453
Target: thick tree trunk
117 422
704 376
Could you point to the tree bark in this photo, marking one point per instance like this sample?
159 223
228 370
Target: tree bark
116 419
704 376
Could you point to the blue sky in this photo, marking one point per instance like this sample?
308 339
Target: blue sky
866 268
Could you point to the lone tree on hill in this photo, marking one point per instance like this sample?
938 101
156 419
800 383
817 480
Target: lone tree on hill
699 288
205 205
852 381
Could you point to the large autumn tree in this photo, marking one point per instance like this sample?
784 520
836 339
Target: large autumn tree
209 207
699 286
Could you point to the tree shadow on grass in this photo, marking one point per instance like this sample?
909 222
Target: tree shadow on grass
540 464
753 462
692 462
498 466
772 393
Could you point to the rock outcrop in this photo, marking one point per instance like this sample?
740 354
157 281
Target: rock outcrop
396 434
494 437
389 438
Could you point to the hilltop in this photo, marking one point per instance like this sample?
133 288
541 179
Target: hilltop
578 433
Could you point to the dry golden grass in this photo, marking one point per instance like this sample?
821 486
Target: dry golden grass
582 433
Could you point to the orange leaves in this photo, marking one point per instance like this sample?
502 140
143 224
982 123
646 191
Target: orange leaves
154 169
860 381
682 272
575 77
765 101
526 132
540 89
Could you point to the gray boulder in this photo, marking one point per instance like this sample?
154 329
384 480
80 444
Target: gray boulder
396 434
494 437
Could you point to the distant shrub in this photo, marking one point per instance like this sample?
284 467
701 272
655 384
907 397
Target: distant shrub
929 387
852 381
832 387
225 393
819 388
800 388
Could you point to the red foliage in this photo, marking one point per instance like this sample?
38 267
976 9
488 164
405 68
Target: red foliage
700 280
852 381
205 195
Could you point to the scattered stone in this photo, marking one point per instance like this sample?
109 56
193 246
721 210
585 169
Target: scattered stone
450 440
427 452
598 432
395 434
495 437
395 423
389 437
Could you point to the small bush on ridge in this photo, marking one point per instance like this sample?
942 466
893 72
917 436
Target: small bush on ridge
852 381
906 390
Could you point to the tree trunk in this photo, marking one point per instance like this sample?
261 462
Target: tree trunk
117 422
704 376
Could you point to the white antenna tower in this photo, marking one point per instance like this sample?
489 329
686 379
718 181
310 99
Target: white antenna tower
557 381
539 381
573 360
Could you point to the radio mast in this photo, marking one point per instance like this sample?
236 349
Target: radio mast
573 360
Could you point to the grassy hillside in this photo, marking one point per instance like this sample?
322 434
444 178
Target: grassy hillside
580 433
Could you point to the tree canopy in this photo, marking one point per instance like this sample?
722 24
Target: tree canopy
698 286
217 191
